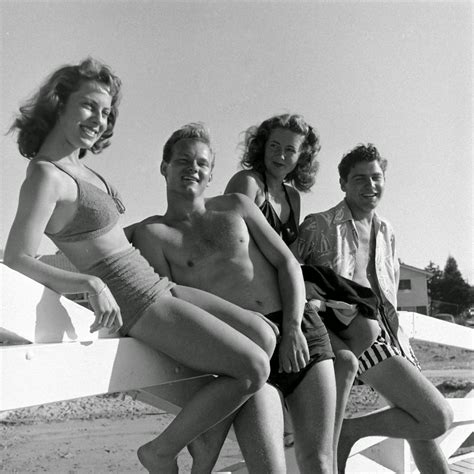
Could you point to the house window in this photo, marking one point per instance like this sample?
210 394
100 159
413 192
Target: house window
404 285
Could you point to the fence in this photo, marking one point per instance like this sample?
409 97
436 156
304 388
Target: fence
46 341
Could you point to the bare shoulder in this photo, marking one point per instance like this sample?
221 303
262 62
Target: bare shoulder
43 171
43 178
229 202
149 227
247 182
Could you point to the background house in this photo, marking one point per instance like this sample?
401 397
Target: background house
413 289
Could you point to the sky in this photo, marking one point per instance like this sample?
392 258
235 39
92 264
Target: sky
396 74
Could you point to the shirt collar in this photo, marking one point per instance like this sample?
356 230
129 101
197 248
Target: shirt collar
342 213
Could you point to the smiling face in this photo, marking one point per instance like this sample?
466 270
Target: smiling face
282 151
364 188
84 117
190 167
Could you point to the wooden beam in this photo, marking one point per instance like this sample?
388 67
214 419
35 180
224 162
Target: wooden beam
43 373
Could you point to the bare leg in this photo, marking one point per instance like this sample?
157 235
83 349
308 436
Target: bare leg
259 430
419 413
360 334
312 408
345 369
428 456
246 322
205 449
201 341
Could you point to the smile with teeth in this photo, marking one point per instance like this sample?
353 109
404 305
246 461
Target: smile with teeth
190 178
90 132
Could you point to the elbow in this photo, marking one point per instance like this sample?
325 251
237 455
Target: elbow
10 260
295 265
13 261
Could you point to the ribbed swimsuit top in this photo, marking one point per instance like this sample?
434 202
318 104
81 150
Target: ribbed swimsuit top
97 211
287 230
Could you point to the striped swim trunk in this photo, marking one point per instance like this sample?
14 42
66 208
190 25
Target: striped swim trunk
383 348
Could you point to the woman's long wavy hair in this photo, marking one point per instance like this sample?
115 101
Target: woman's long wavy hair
304 174
38 115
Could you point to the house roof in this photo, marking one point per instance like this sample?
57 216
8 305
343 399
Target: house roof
415 269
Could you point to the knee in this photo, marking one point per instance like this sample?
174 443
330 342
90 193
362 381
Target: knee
346 363
268 340
443 419
256 372
439 420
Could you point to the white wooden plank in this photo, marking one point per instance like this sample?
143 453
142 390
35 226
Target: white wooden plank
43 373
30 311
426 328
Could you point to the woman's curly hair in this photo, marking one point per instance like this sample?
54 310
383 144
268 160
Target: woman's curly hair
304 174
39 114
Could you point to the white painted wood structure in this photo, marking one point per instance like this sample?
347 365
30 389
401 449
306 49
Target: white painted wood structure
47 354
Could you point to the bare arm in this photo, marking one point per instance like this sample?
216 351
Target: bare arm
146 239
294 353
39 196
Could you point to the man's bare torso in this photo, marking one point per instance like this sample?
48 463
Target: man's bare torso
213 251
364 271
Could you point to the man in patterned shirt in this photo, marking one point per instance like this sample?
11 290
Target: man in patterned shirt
355 242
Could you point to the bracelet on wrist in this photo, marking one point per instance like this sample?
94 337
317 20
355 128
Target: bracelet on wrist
98 293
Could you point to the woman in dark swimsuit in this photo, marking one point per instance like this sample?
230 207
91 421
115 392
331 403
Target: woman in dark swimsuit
280 151
75 111
279 159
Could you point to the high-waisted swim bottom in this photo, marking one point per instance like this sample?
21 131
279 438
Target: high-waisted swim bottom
133 283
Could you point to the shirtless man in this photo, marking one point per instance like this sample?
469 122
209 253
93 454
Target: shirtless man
225 246
355 242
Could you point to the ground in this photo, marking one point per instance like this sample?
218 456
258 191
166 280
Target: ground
101 434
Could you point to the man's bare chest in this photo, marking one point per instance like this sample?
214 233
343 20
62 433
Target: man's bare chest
218 236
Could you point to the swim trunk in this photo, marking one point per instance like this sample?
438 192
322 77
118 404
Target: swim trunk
133 283
383 348
319 347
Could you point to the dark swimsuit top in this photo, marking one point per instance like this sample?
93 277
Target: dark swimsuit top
288 230
97 211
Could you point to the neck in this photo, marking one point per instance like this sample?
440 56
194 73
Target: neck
56 148
361 215
184 207
274 184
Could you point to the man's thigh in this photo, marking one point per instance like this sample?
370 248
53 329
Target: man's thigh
404 386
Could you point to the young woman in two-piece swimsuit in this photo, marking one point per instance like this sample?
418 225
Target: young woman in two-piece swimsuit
282 150
75 110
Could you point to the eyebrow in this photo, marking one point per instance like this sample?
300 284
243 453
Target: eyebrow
367 174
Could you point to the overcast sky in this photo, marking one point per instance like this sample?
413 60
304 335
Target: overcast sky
395 74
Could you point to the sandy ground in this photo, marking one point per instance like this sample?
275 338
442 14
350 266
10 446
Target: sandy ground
101 434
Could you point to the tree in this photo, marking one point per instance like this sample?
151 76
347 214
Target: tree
448 288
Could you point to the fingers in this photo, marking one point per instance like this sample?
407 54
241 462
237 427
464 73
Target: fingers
107 313
296 362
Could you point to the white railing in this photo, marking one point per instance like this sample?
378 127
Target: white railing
51 348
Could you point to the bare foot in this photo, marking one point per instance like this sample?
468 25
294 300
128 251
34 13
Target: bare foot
155 463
